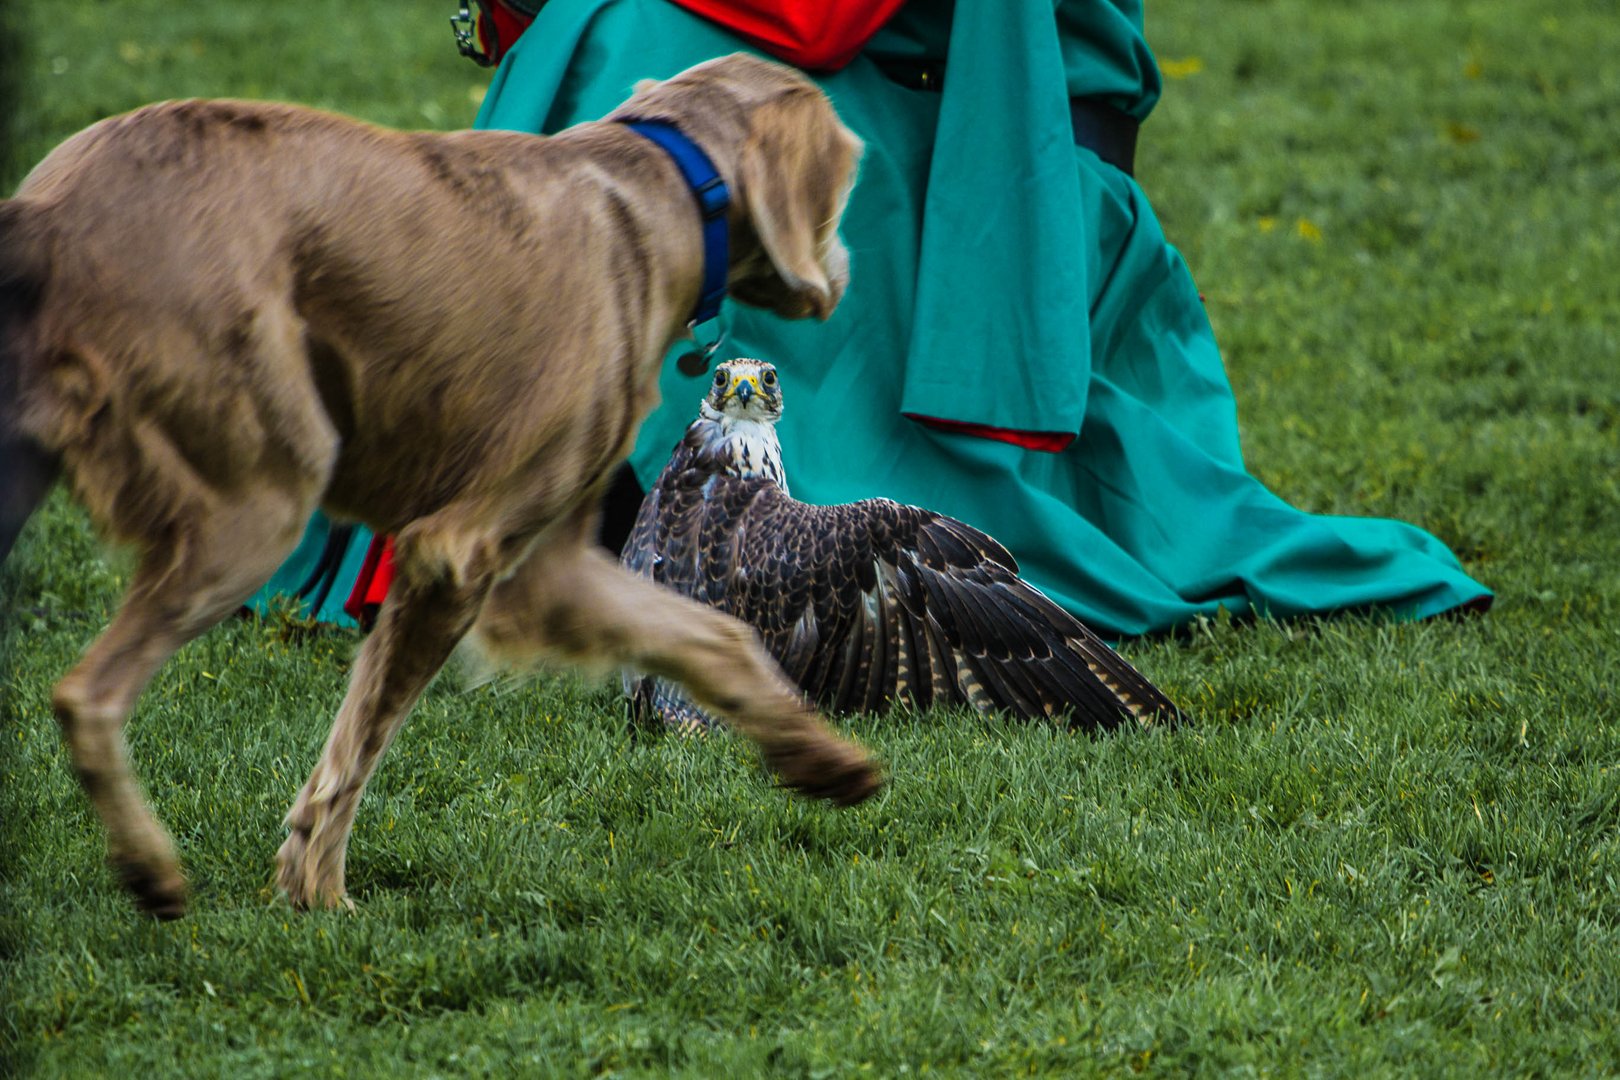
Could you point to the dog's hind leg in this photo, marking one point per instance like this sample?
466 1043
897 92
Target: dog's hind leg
27 469
26 475
204 572
442 580
573 601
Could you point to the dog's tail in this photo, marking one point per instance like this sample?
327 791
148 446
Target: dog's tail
27 466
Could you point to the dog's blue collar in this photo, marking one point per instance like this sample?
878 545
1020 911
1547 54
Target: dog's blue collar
713 201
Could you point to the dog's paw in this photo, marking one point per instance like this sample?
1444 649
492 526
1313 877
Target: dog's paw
837 771
290 865
159 889
300 879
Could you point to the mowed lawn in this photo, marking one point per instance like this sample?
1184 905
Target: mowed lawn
1380 849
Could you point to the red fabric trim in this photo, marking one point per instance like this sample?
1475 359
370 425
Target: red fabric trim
821 35
509 25
371 584
1048 442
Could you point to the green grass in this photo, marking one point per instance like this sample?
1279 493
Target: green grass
1382 849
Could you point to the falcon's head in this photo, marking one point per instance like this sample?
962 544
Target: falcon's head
744 390
735 432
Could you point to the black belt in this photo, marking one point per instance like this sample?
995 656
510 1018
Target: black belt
1106 131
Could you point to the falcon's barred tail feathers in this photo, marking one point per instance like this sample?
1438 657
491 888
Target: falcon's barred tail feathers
863 605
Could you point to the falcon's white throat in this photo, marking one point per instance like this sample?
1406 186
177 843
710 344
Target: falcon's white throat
741 445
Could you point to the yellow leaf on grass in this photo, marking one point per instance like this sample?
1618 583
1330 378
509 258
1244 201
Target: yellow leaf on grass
1181 69
1309 231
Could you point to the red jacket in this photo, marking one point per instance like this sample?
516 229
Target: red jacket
820 35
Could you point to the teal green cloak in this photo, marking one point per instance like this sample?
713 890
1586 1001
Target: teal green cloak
1003 276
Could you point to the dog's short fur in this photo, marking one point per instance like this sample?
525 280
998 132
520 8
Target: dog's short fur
216 316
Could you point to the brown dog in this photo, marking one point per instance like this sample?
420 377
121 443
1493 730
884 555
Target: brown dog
216 316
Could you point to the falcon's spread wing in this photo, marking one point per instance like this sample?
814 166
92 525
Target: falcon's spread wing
873 602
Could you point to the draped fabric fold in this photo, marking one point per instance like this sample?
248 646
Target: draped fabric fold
999 323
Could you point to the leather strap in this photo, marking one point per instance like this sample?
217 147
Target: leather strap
1108 132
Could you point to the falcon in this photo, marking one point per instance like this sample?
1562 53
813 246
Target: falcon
864 605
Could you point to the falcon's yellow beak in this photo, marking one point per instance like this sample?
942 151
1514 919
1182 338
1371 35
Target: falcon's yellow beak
743 387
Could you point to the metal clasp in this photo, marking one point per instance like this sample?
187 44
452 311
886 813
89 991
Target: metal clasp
465 26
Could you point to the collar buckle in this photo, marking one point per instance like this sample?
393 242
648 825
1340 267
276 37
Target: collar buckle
713 198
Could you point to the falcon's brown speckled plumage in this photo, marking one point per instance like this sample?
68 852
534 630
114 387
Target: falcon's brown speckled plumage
863 604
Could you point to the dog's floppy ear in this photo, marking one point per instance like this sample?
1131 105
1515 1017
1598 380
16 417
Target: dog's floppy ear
793 166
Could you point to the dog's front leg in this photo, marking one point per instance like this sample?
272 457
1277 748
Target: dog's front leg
441 584
576 603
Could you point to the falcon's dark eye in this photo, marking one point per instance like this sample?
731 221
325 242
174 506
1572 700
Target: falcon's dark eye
769 378
719 379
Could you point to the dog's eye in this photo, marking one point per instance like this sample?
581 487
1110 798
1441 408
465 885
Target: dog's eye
769 378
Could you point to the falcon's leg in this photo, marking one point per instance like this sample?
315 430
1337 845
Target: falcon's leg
660 703
679 712
574 602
